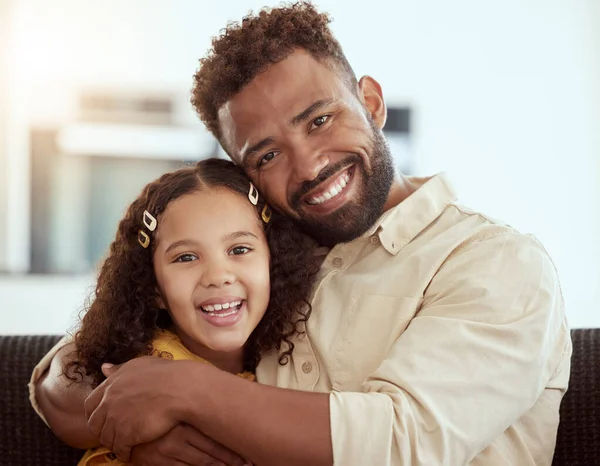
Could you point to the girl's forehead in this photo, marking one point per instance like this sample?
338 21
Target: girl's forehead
207 200
214 208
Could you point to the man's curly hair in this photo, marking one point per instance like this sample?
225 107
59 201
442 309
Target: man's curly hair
244 50
123 317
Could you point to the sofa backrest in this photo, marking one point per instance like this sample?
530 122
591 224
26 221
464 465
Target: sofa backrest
578 441
25 439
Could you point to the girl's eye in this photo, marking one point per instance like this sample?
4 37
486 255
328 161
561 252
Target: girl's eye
186 258
319 121
267 158
239 250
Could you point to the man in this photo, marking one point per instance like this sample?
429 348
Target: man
437 335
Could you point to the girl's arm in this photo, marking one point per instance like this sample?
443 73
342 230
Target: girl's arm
62 402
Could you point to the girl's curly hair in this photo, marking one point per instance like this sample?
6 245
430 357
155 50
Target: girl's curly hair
122 318
244 50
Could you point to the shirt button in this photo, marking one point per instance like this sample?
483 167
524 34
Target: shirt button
337 262
307 367
374 239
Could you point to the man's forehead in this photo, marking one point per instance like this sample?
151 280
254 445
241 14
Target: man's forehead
282 92
260 111
296 71
242 129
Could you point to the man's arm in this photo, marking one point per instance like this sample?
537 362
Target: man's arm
62 403
478 355
489 340
266 425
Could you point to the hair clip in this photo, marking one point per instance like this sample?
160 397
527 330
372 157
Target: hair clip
253 194
266 213
143 239
149 221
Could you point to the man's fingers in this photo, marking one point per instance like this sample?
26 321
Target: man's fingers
109 369
142 455
123 453
192 456
211 448
94 399
107 436
109 439
173 449
95 421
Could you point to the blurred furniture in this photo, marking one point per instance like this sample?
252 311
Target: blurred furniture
25 440
578 442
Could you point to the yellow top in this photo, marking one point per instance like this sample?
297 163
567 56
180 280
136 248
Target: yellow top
165 345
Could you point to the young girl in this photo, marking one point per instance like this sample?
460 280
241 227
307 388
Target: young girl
200 269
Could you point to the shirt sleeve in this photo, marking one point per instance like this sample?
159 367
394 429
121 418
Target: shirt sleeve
476 357
39 370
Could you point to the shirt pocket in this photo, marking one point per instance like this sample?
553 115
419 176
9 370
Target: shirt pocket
370 328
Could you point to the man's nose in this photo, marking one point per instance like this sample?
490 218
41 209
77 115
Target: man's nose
307 163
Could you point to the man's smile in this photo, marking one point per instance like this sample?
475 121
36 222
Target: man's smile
332 193
330 189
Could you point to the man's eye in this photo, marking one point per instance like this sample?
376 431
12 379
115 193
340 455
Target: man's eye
266 158
239 250
319 121
186 258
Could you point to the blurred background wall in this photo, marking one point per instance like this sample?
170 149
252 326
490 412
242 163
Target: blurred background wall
4 37
503 96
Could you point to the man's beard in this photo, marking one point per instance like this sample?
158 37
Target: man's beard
356 216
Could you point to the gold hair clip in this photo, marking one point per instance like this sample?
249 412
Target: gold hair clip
149 221
143 239
253 194
266 213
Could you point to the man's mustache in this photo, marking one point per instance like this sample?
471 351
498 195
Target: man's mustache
324 175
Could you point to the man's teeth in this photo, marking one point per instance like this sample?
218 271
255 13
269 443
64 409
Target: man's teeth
218 307
337 188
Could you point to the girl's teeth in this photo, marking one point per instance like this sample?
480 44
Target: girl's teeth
222 314
218 307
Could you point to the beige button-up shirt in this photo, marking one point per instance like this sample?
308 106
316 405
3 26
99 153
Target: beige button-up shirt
441 338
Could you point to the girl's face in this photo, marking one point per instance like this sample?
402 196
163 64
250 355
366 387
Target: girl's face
212 268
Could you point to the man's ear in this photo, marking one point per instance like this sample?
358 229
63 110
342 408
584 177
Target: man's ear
371 96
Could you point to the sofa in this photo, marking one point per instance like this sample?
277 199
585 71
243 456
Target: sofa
25 440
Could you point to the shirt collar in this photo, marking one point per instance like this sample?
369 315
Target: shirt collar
399 225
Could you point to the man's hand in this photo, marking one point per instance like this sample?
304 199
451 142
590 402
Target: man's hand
184 445
139 402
